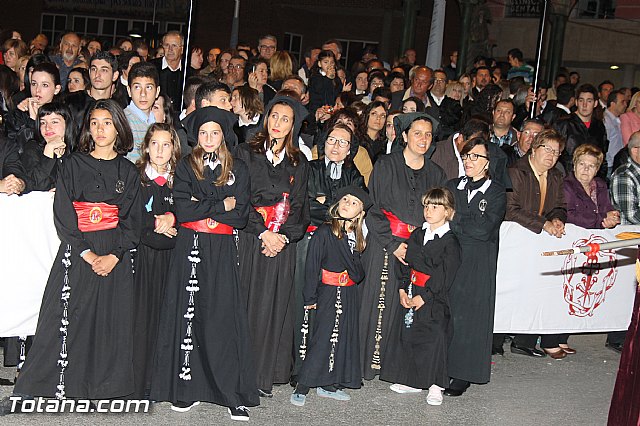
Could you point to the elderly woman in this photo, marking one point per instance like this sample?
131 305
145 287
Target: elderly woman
480 207
537 203
587 197
630 120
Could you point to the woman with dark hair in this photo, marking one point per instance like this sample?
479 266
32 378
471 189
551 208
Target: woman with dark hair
83 341
372 124
204 351
375 80
412 104
398 182
335 170
278 219
324 83
246 104
43 154
159 154
480 209
162 109
396 82
26 92
8 88
45 85
256 74
78 80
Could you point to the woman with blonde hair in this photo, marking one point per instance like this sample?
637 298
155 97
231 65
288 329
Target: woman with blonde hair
281 67
630 120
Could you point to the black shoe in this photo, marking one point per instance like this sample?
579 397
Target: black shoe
7 382
265 393
454 392
239 413
521 350
616 347
293 381
497 350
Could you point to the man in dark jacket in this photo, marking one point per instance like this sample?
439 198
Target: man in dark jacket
582 127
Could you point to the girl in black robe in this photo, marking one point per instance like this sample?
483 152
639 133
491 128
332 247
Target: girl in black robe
397 184
203 351
83 342
160 151
43 154
333 269
480 208
267 246
327 175
422 329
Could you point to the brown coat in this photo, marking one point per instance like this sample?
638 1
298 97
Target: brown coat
445 157
523 202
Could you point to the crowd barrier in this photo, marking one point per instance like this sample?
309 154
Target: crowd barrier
534 294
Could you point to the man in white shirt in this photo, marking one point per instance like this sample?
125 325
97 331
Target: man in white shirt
616 105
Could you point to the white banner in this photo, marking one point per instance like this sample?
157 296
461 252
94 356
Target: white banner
563 294
27 251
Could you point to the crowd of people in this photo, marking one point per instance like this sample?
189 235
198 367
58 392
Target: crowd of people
235 224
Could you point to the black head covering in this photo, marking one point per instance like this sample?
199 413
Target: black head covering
402 123
225 119
357 192
299 112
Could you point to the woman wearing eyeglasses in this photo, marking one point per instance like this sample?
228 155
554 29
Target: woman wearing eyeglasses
326 176
480 208
537 203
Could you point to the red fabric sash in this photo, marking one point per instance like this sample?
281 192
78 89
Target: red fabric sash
95 216
398 227
418 278
209 226
311 228
338 279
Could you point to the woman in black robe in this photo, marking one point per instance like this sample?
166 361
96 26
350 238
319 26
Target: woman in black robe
160 151
267 246
327 175
83 342
333 269
203 351
43 154
398 182
480 208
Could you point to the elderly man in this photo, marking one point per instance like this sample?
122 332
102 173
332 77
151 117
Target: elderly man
421 81
68 57
625 198
267 45
235 76
530 129
170 67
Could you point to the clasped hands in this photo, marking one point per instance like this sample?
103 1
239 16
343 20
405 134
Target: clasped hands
415 302
12 185
554 227
101 265
273 243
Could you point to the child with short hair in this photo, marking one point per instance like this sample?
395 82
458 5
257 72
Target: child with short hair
333 269
424 328
143 88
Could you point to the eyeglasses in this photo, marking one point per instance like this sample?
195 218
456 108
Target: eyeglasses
439 80
472 157
530 133
550 150
342 143
265 47
237 66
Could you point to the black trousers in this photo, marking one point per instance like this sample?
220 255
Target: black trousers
616 337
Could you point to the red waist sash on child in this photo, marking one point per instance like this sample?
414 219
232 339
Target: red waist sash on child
209 226
95 216
398 227
418 278
338 279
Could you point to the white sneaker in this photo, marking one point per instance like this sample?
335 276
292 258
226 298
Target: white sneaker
399 388
435 395
183 407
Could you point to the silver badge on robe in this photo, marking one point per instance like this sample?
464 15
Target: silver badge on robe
120 186
482 205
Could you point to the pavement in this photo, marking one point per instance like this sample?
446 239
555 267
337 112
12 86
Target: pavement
523 391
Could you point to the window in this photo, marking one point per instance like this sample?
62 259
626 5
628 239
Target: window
53 26
352 51
293 44
596 9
